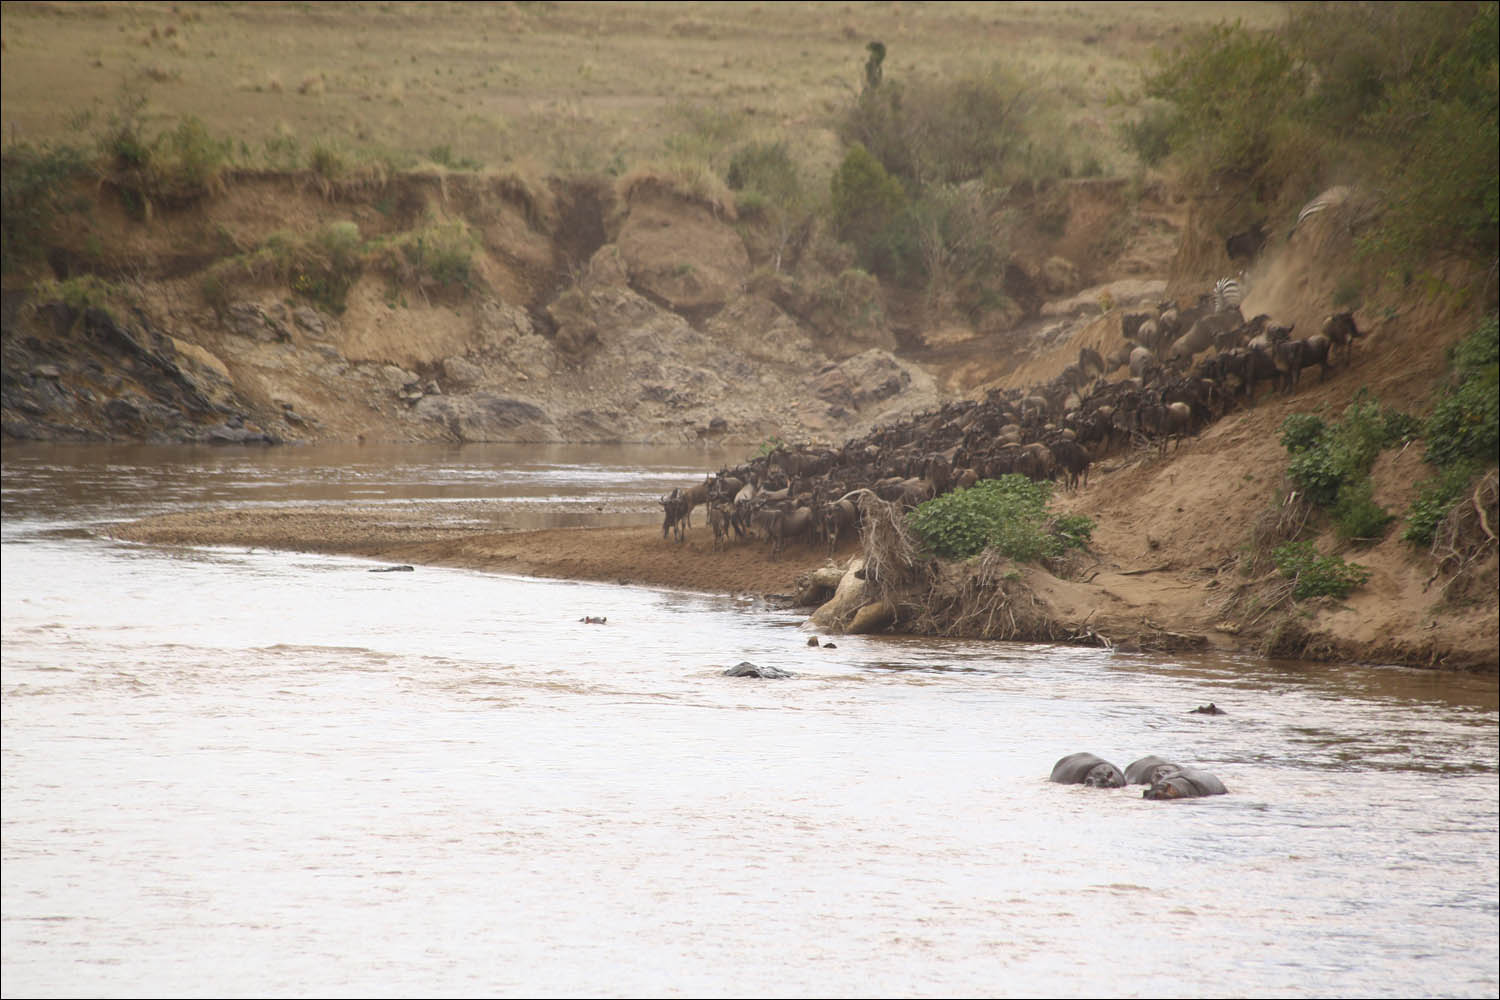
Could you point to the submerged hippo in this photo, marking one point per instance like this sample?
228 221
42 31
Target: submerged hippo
1086 769
747 669
1184 783
1146 770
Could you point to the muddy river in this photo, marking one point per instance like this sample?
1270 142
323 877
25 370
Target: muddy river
241 773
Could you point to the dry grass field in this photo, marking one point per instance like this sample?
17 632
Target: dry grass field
560 87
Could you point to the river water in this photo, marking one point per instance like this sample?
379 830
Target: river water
241 773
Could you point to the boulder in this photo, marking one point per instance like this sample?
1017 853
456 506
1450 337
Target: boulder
462 372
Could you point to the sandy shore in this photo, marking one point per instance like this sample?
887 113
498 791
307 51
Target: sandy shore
474 537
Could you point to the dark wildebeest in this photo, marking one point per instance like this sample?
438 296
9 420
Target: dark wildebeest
1342 332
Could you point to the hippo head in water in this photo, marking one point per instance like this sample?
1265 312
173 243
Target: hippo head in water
1147 770
1087 769
1184 783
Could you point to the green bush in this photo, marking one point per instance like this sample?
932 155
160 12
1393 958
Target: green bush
1302 431
1465 423
1008 514
1435 498
1315 575
1463 432
866 202
1327 458
768 187
35 182
187 160
1227 91
1356 515
1404 94
326 267
948 131
443 254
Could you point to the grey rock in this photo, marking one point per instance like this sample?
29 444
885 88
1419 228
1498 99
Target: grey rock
461 372
309 320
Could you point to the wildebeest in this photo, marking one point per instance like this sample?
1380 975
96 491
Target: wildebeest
675 514
720 519
1245 245
1341 331
781 524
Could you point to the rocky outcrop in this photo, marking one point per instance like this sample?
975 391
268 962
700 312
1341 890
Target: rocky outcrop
88 375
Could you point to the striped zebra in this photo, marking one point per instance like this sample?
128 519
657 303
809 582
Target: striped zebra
1228 294
1336 195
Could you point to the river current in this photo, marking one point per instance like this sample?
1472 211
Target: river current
246 773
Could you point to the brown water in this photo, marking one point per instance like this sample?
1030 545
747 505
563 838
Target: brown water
250 773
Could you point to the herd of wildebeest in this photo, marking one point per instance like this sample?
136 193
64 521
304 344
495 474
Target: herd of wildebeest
1187 367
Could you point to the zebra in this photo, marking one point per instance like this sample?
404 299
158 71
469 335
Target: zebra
1228 294
1336 195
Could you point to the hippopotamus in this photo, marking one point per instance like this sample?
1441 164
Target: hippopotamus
1146 770
1209 709
1184 783
1086 769
747 669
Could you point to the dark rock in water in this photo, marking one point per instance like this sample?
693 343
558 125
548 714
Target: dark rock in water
829 645
1184 783
391 569
1086 769
1209 709
747 669
594 620
813 641
1146 770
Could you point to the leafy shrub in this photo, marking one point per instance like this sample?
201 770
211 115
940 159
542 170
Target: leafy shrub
1008 514
947 131
442 255
768 187
325 268
87 291
35 182
1326 458
1435 498
1356 515
866 202
1403 93
1227 91
187 160
1302 431
1150 136
1465 423
1315 575
1463 432
845 305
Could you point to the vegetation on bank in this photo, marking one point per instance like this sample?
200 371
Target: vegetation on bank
1463 432
1330 463
1009 515
1399 98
